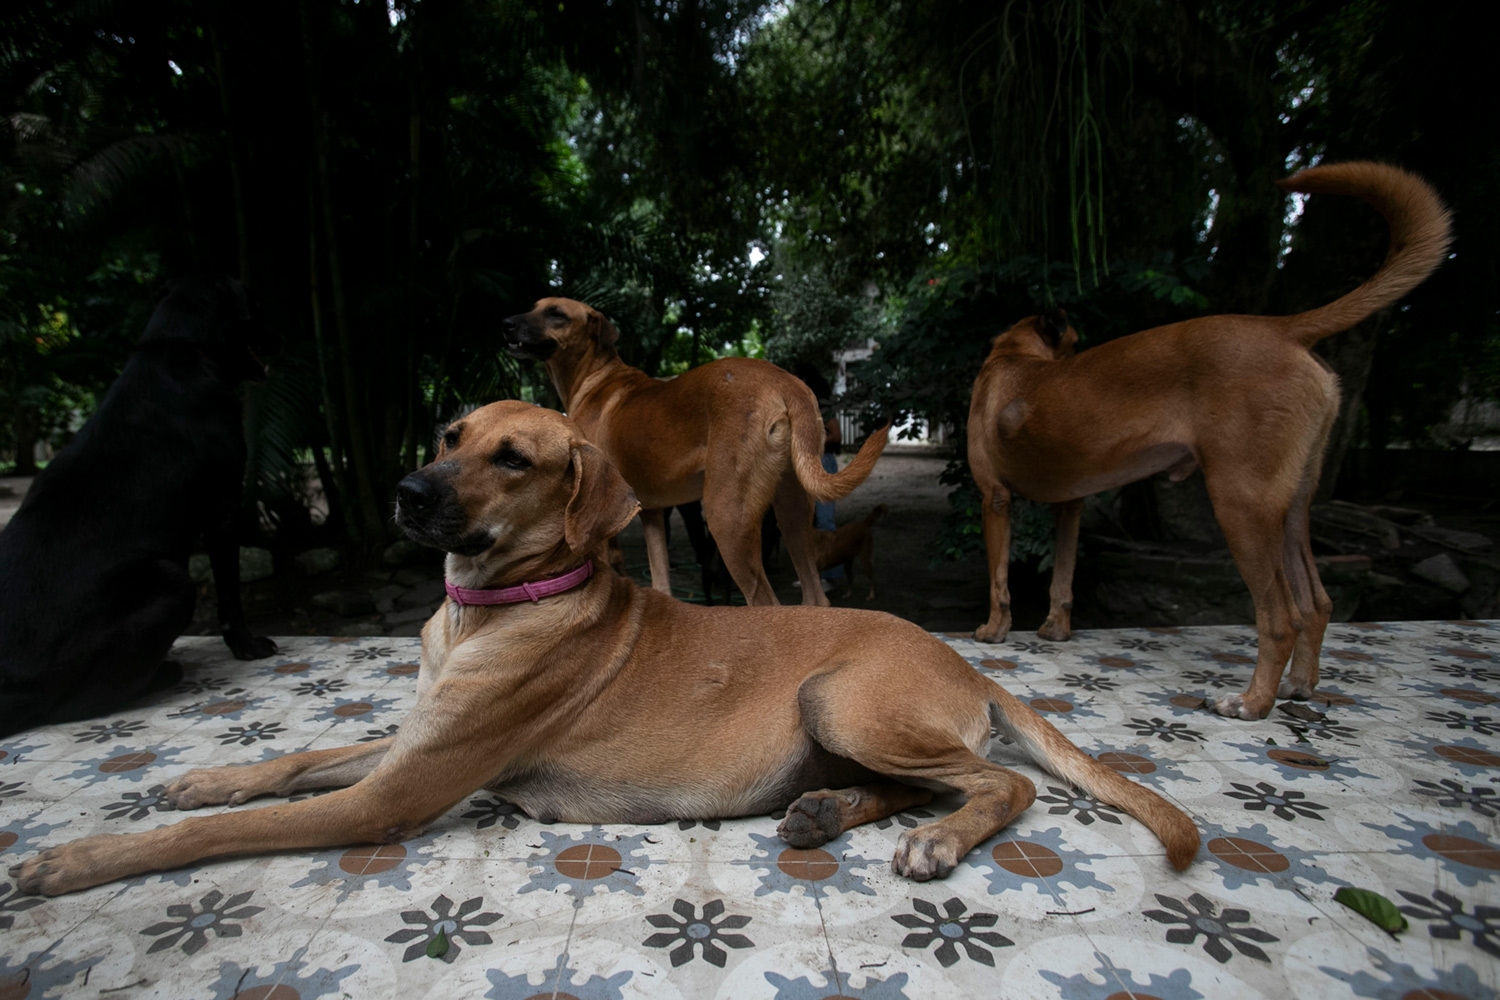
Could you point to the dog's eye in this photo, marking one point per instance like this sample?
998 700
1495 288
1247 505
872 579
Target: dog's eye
555 316
509 458
450 439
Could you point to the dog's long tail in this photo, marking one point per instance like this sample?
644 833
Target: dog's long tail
1040 740
807 446
1421 229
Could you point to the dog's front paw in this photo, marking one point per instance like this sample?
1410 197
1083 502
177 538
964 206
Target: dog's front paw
69 867
928 852
245 646
813 820
210 786
1238 706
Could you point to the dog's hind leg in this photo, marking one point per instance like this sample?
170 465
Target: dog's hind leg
1312 601
794 515
818 817
1255 530
927 738
996 515
654 526
1059 624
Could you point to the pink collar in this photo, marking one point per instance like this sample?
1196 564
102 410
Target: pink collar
523 592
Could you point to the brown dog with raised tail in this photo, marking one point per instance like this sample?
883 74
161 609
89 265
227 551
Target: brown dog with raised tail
1242 397
738 433
581 697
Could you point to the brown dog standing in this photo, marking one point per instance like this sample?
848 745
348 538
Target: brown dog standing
741 434
855 540
1241 396
606 703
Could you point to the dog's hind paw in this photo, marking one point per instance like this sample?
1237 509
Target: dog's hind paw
925 853
813 820
1234 706
1055 631
1294 691
991 632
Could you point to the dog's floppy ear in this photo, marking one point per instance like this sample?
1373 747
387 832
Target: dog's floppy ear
1051 325
602 503
602 330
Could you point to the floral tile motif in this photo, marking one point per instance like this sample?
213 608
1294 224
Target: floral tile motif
1389 780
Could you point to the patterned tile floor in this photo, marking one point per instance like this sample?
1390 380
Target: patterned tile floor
1394 790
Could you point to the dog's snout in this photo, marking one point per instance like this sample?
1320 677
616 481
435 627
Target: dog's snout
416 494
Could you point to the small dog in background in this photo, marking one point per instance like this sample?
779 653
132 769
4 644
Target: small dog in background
94 585
841 547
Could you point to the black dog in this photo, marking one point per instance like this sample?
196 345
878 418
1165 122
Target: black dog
94 585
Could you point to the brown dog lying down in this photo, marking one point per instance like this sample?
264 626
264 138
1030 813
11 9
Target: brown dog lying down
855 540
1241 396
738 433
607 703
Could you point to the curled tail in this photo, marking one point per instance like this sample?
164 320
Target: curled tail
1040 740
1421 229
807 447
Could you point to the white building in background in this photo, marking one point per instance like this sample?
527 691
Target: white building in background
907 432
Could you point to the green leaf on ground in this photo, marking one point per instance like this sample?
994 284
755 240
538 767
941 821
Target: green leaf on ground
1373 907
438 946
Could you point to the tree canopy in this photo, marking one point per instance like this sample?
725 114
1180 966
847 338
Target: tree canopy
390 179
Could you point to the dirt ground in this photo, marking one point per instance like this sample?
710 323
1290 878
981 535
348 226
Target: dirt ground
910 581
1143 585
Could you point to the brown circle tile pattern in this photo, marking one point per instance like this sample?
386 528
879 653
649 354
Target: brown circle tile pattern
552 996
1116 662
1330 699
7 838
222 708
372 859
1021 857
1051 705
1132 995
809 866
1467 654
1233 658
1474 853
292 668
998 664
354 708
1297 759
127 762
1349 655
278 992
1428 993
1126 763
1248 855
1468 755
1477 697
1186 701
587 861
404 670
